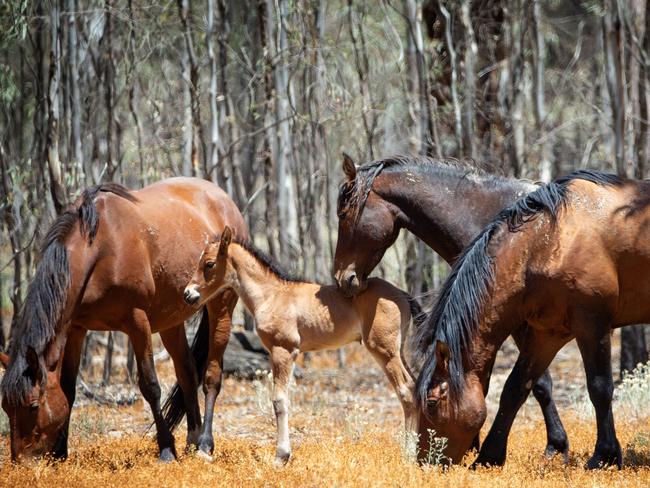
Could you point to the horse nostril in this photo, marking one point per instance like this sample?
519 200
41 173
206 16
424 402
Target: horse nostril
352 280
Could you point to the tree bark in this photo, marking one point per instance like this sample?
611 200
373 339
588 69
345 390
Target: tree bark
53 160
75 103
471 53
539 52
213 148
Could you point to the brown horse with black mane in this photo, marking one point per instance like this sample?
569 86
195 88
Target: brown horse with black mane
571 260
444 203
119 260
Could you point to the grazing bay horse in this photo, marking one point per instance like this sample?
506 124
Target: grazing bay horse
294 316
444 204
118 260
571 260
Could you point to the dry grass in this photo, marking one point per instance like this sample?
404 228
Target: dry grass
345 432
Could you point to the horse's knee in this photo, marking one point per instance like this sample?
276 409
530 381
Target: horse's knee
542 389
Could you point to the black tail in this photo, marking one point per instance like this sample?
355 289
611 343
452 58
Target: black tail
174 407
418 316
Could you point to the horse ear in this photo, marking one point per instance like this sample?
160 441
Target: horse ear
443 354
4 360
349 168
226 237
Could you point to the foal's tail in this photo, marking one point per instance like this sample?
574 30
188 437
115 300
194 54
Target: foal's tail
174 407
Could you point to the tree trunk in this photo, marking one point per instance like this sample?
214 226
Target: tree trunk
276 27
213 148
53 161
613 47
471 52
75 103
539 52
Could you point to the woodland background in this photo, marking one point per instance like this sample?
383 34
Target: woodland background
261 96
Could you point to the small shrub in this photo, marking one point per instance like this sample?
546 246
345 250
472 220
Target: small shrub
637 452
633 394
4 423
435 455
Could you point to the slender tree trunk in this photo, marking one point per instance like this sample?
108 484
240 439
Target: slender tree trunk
198 141
133 82
458 124
54 163
641 142
75 103
539 52
276 27
613 46
213 148
471 53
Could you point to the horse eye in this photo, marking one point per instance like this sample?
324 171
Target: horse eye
209 264
33 406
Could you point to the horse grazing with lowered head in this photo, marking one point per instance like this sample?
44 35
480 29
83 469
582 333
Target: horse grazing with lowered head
571 260
119 260
446 205
294 316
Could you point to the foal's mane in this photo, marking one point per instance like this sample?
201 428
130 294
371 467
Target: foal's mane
40 315
455 317
353 194
268 262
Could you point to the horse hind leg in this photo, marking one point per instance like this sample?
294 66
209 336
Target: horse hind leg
282 361
175 342
596 349
140 335
557 440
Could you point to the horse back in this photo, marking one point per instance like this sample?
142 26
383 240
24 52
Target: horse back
145 251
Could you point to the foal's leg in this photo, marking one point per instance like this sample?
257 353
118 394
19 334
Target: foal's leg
220 311
69 371
384 343
556 437
140 335
282 363
534 357
596 349
175 342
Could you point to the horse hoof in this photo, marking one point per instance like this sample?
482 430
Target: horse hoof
166 456
201 454
281 459
602 461
551 451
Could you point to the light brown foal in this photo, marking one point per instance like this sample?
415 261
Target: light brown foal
295 316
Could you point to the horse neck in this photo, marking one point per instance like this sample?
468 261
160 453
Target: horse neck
448 211
254 283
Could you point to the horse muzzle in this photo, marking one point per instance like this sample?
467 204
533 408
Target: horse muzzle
349 283
191 295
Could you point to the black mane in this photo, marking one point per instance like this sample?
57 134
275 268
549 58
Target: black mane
456 315
268 262
47 293
353 194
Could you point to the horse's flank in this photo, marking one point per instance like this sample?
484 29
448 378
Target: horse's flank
456 316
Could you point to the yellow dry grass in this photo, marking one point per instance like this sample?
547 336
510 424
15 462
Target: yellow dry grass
345 432
332 458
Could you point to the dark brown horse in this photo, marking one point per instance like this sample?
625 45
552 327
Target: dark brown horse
118 260
571 260
444 204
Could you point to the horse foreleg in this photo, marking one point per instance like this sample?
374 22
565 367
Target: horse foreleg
534 357
596 348
69 371
140 335
282 364
220 311
556 437
176 344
